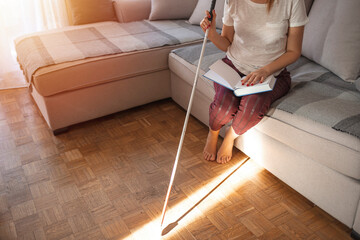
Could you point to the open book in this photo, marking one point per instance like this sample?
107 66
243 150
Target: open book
226 76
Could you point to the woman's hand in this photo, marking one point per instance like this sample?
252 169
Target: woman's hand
255 77
206 24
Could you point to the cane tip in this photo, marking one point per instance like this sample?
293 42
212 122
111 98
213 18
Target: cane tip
168 228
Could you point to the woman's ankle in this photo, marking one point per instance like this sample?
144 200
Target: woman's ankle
214 132
231 134
210 145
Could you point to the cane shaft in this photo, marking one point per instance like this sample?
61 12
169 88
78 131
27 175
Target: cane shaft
184 130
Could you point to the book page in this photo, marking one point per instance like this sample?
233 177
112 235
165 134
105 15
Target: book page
213 76
226 72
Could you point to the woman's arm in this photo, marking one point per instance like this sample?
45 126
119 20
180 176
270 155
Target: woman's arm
293 52
222 41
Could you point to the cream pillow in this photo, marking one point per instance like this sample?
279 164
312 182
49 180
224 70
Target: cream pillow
171 9
332 37
132 10
202 6
90 11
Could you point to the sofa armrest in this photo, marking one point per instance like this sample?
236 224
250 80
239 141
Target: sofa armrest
132 10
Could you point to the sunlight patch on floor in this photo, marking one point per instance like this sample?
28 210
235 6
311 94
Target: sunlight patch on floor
152 229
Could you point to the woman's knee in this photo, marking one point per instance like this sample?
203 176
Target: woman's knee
251 110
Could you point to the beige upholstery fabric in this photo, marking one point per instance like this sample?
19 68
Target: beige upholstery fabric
199 12
334 192
132 10
301 134
171 9
90 11
332 37
93 71
324 151
356 226
71 107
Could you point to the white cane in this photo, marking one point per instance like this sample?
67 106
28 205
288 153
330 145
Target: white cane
186 120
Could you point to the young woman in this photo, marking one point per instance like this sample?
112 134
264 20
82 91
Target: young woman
260 38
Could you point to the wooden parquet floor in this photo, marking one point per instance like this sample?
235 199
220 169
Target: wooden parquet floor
107 179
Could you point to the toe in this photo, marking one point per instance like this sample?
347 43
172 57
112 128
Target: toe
206 155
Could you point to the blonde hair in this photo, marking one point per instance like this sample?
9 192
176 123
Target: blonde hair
270 4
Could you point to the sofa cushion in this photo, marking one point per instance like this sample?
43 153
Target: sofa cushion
171 9
81 74
199 12
132 10
80 56
99 39
90 11
332 37
309 135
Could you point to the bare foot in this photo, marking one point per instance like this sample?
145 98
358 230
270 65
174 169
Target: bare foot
225 151
210 146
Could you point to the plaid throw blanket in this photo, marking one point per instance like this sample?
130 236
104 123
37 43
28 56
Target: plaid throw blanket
318 95
328 100
93 40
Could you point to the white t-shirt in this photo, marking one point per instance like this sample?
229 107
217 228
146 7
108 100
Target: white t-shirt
260 37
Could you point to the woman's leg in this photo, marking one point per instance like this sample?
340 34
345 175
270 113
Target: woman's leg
251 110
210 145
225 151
221 111
253 107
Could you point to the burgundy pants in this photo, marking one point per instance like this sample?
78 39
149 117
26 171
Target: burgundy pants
245 112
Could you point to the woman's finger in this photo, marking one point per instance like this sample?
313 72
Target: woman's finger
256 80
213 21
207 13
214 15
207 22
244 81
253 76
204 24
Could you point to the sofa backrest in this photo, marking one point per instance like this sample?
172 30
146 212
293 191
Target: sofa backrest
132 10
89 11
332 37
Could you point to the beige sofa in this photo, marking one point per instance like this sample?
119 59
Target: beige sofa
294 141
75 91
319 162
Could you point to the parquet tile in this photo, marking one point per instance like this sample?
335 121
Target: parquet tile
107 179
58 230
277 214
8 230
27 225
114 228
